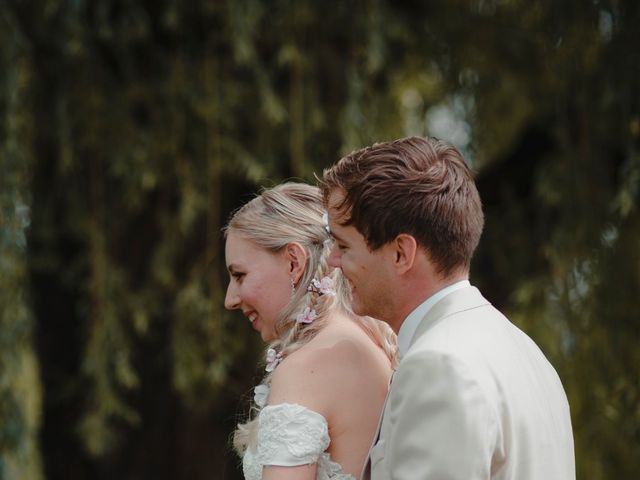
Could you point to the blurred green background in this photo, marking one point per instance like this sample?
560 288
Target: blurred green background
130 129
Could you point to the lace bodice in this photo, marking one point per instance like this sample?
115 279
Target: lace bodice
291 435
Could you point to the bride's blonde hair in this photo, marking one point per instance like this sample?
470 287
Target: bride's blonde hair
293 212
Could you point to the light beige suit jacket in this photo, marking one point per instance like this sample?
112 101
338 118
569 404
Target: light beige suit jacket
473 398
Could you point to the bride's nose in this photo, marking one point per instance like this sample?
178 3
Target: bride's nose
232 299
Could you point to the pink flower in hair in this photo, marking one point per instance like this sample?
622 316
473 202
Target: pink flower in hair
308 315
323 287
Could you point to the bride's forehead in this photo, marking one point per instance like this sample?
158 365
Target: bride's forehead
238 247
238 241
241 251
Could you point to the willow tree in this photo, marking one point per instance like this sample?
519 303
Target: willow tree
20 387
130 131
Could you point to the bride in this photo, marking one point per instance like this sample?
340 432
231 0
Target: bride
316 411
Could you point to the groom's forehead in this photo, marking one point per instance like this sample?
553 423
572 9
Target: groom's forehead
336 205
337 219
339 216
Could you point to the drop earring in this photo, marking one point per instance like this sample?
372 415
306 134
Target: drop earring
293 287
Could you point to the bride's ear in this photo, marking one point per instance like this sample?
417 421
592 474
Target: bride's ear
296 255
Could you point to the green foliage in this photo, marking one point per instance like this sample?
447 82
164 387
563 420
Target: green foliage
20 390
130 130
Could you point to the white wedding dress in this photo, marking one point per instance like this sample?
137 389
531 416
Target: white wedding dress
291 435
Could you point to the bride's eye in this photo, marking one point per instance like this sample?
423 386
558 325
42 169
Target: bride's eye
237 276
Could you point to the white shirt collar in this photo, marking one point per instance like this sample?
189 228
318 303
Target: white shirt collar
410 324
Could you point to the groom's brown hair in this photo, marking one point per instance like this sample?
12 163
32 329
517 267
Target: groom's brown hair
417 186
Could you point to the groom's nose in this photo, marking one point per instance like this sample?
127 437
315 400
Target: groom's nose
335 256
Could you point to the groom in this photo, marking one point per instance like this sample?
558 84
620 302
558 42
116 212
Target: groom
473 397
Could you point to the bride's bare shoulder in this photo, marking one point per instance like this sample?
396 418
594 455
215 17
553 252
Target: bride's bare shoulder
340 357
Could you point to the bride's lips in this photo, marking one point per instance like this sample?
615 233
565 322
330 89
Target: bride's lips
252 317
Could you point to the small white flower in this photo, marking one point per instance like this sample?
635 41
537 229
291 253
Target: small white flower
273 358
260 395
325 222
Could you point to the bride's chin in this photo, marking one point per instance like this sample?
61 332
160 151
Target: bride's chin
267 337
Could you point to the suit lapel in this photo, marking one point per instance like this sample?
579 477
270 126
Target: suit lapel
366 471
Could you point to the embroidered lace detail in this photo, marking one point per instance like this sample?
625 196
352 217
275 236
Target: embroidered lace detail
291 435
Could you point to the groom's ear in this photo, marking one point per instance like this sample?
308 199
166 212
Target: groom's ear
296 255
405 248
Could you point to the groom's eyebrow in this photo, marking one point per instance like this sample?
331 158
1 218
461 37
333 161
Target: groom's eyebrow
336 237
